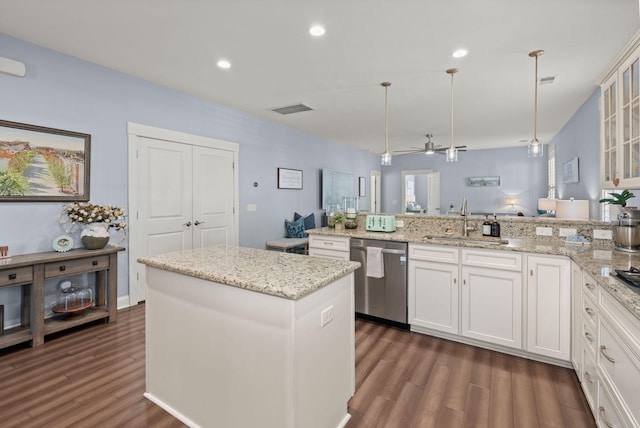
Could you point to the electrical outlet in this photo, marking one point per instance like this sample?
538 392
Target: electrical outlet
567 232
252 207
326 316
602 234
399 223
544 231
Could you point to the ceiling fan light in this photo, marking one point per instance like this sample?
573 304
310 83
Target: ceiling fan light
535 149
451 154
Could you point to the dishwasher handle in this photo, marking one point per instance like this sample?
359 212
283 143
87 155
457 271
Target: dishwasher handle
384 250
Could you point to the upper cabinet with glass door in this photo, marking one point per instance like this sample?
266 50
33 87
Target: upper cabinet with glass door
620 119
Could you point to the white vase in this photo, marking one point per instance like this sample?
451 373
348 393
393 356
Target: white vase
95 236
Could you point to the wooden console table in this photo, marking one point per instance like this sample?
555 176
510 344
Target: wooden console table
29 271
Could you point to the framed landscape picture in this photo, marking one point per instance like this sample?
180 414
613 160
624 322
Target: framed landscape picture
43 164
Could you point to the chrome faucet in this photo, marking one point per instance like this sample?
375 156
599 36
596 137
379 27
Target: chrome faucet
465 226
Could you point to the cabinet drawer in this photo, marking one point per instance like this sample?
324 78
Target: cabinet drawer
434 253
607 414
504 260
621 366
335 243
589 377
328 254
589 336
589 286
70 267
589 310
19 275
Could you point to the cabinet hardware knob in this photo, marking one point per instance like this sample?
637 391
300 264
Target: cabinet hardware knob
62 268
588 377
588 336
12 276
94 263
590 311
188 224
455 280
590 286
197 223
603 351
531 272
604 417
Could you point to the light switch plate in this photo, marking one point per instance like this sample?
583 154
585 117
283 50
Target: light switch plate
567 232
544 231
399 223
252 207
602 234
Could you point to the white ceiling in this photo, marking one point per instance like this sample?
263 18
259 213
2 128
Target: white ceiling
275 62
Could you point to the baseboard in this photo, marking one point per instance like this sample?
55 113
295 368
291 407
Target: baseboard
123 302
173 412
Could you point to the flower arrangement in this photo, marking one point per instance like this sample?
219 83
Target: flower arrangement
89 213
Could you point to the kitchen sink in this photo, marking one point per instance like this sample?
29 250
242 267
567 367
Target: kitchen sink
484 241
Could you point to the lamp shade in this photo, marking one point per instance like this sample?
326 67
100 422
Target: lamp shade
512 201
572 209
546 204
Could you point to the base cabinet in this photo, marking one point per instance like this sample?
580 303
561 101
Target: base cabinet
434 288
492 306
576 320
549 306
329 247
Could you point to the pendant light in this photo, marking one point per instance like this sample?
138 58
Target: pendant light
451 154
536 148
385 160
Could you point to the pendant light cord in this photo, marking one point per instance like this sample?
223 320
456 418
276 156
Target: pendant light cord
452 71
535 104
386 118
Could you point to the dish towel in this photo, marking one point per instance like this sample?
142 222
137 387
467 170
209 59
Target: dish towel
375 262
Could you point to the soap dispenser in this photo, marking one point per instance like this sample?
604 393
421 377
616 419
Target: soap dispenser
486 226
495 227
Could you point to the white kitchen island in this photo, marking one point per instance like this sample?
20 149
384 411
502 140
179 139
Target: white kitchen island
240 337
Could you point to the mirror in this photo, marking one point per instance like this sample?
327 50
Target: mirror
335 186
420 191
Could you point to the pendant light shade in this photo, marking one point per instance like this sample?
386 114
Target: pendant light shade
385 160
451 154
536 148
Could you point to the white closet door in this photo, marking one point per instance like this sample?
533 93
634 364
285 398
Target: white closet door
164 200
213 194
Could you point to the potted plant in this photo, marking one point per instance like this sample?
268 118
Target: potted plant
338 219
618 198
617 203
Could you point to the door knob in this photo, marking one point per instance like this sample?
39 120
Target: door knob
188 224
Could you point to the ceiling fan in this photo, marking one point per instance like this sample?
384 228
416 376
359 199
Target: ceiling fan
429 148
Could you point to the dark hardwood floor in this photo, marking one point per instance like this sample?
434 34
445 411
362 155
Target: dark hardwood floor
94 376
406 379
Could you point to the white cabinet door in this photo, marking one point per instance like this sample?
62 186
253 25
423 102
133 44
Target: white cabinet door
549 306
576 319
492 305
433 295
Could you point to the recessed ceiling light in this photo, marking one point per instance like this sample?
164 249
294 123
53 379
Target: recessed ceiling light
316 30
460 53
223 63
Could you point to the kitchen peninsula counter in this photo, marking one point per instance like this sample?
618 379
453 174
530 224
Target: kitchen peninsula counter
241 337
599 259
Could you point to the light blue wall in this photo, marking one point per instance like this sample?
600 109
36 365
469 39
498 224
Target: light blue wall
580 137
520 177
62 92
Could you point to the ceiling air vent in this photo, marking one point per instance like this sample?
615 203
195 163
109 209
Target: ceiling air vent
296 108
546 80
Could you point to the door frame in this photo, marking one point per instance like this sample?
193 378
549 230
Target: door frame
136 130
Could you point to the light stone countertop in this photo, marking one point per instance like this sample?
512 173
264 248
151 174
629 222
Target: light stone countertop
600 259
291 276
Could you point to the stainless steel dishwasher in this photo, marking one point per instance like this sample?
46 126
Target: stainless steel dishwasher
384 298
